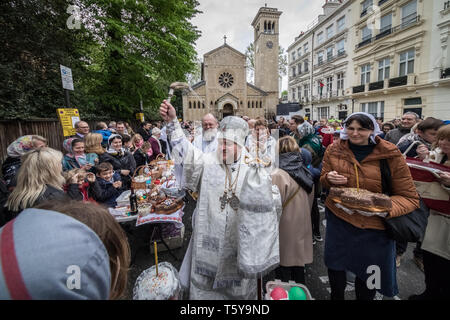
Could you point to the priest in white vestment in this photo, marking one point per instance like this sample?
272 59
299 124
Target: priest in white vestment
227 249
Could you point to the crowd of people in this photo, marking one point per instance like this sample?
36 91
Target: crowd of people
302 159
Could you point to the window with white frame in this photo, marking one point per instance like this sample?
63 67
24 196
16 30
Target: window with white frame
341 24
293 94
299 68
407 62
365 74
299 52
366 33
324 112
320 38
384 67
306 90
340 47
330 32
374 108
320 58
329 84
305 47
366 5
329 53
293 72
306 65
409 13
386 23
293 55
340 81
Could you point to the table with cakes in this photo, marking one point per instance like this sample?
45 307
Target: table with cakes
157 212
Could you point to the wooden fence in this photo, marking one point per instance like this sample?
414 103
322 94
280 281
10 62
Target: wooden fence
48 128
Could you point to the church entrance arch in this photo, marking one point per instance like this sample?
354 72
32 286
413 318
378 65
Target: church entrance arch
227 110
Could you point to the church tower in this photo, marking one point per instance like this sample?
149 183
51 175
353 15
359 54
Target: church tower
266 34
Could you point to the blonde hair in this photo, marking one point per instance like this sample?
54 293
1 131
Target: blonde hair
287 144
40 167
93 143
443 133
68 175
134 138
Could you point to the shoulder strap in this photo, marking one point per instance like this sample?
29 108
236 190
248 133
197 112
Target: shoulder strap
386 178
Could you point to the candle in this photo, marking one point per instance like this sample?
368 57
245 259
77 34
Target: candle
156 257
357 178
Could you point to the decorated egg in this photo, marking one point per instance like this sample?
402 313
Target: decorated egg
278 293
297 293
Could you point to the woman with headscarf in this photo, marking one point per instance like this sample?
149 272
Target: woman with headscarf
15 151
121 160
154 141
355 242
76 158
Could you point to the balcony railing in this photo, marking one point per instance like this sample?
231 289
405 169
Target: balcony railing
363 13
376 85
359 89
399 81
381 2
364 42
341 53
383 33
406 22
446 72
409 20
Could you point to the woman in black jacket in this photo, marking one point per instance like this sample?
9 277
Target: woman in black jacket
121 160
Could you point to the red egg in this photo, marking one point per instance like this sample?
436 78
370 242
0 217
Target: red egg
278 293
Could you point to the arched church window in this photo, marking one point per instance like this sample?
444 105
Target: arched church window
253 104
226 80
265 26
203 105
248 104
260 104
190 105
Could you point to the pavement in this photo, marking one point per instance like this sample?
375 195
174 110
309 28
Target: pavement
410 278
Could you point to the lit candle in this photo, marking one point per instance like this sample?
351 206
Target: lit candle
156 257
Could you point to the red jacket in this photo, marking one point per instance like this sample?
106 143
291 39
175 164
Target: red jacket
327 138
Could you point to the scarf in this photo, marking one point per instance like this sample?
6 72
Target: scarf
111 150
292 163
80 159
21 146
376 130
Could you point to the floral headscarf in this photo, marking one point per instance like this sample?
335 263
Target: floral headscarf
80 159
21 146
305 129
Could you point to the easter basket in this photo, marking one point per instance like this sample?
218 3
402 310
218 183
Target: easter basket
288 294
142 173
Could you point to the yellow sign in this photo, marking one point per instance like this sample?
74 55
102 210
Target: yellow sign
306 118
68 118
140 116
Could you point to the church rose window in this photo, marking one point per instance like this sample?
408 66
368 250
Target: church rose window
226 80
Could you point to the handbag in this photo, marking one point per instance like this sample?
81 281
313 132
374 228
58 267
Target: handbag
409 227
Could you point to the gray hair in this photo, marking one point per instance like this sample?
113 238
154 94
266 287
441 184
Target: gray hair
413 114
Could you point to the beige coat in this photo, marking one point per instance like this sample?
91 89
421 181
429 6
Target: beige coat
296 247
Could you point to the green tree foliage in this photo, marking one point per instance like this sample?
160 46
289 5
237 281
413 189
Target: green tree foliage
124 52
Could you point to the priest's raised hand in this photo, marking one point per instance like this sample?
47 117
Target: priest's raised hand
167 111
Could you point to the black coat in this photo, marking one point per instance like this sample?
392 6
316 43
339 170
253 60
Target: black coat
125 162
10 167
141 158
144 133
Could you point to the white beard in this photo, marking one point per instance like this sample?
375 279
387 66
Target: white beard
209 134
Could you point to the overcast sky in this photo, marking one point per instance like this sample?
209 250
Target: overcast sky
233 18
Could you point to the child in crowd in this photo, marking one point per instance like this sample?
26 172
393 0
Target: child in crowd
109 186
75 156
80 185
126 142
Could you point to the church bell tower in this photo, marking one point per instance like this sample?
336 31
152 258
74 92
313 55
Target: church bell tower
266 44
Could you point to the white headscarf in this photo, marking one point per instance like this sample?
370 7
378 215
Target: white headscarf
376 130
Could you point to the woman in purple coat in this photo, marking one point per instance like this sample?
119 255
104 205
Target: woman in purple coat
154 141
